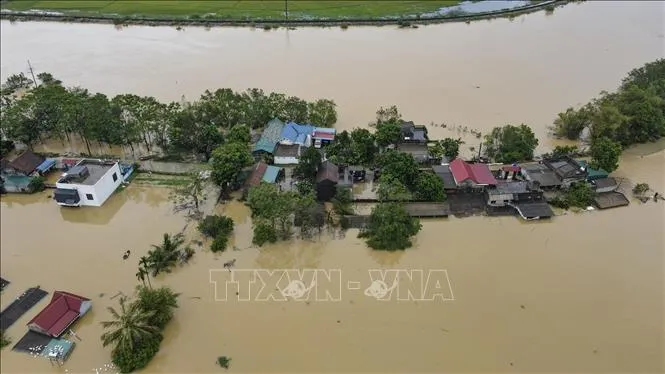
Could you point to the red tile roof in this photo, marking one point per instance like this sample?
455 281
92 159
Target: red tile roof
59 314
477 173
255 178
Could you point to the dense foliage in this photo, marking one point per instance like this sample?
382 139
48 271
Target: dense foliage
510 143
605 154
401 179
390 228
135 330
579 195
35 111
355 148
219 228
4 340
447 147
308 165
635 113
163 257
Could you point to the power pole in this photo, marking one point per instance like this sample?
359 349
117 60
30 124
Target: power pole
34 80
286 9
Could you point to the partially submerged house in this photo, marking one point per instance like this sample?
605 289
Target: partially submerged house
592 173
541 174
326 181
567 170
468 175
524 196
323 136
444 173
293 133
56 318
90 182
287 154
604 185
411 133
16 175
263 173
418 151
269 138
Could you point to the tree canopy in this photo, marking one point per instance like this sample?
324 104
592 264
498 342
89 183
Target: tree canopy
635 113
228 160
33 112
510 143
605 154
390 228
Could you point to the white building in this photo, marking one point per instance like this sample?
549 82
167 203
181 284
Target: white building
88 183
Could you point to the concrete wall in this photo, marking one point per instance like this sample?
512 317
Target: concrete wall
499 199
286 160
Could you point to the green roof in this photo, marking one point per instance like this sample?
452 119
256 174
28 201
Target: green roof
270 137
593 174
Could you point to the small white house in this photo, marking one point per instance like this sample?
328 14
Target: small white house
287 154
88 183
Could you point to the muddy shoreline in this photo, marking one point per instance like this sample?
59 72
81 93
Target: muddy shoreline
268 24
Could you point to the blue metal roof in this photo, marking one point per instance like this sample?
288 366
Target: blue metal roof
271 174
47 164
296 133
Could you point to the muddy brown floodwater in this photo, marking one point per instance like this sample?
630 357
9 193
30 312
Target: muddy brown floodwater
582 293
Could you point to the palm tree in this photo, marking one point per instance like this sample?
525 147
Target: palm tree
163 257
128 327
143 273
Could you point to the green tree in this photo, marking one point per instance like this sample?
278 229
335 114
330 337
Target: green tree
212 226
563 150
451 147
340 151
228 160
191 131
510 143
641 189
129 327
429 187
308 165
570 123
222 108
143 273
391 188
650 75
17 82
275 207
399 165
238 134
390 228
363 146
580 195
322 113
605 154
342 201
645 117
161 301
295 109
165 256
388 126
264 233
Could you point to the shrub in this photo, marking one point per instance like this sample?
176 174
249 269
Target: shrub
4 340
37 184
219 243
223 361
640 188
160 300
130 360
580 195
213 226
264 233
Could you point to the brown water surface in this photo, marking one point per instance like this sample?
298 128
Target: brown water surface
582 293
477 75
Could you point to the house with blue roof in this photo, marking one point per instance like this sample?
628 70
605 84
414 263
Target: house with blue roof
293 133
270 137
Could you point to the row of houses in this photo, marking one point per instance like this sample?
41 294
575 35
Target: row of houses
85 182
286 141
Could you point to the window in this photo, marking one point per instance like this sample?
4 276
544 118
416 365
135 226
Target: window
115 177
89 196
493 202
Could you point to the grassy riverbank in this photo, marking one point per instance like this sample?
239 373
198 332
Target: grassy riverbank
236 10
268 14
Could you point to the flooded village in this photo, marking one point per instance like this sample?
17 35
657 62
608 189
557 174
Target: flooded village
536 284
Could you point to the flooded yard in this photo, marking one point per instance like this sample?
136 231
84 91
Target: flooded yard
587 287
